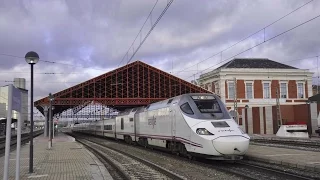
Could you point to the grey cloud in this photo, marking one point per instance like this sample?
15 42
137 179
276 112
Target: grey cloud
96 34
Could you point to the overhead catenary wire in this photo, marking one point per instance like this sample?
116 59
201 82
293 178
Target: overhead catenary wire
300 59
151 29
267 40
168 4
51 62
260 30
139 33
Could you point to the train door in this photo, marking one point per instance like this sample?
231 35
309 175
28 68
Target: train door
115 128
135 127
102 128
173 124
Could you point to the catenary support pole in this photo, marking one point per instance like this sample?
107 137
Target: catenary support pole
8 134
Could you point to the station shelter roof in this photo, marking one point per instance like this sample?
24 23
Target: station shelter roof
135 84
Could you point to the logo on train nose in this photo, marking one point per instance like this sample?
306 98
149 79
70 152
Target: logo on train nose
152 121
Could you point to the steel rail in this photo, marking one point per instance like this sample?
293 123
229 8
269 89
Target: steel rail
155 167
274 171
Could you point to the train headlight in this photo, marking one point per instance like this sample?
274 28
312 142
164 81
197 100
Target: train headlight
203 131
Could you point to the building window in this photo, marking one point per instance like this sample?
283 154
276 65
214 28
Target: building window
231 90
216 86
266 90
300 90
249 91
283 90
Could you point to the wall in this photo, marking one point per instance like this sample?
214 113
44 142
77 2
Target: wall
257 120
257 76
263 120
286 113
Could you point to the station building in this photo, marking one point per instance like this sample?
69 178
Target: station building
256 87
257 81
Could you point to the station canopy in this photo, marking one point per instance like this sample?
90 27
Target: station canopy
133 85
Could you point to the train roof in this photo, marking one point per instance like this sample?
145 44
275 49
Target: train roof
173 100
162 104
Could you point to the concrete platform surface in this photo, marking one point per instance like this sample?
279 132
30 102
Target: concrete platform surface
307 160
66 160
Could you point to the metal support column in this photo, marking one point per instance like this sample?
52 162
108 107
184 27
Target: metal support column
235 101
45 110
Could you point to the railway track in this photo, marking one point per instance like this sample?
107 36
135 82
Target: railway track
303 145
24 139
268 172
129 166
205 169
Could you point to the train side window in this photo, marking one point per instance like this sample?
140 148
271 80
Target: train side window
131 119
122 125
186 108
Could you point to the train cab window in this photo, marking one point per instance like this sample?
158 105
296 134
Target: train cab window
207 104
131 119
122 124
170 100
186 108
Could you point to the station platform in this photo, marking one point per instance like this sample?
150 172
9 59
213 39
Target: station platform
67 159
306 160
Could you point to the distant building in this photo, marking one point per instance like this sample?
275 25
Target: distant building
257 83
20 84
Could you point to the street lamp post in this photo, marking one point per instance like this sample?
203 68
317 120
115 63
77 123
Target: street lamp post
31 58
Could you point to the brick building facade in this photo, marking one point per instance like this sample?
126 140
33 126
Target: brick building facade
257 83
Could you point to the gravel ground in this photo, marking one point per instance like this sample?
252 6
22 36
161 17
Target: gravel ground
133 168
183 167
203 169
314 175
113 172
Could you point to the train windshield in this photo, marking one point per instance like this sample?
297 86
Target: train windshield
207 104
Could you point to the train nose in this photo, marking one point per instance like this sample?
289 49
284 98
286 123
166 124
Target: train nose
231 145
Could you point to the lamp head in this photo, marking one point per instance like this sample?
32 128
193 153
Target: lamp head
32 57
51 98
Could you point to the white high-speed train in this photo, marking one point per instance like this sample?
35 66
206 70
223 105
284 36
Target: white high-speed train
195 124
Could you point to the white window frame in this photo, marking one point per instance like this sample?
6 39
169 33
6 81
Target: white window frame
303 88
217 87
287 93
228 84
245 84
266 82
210 87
